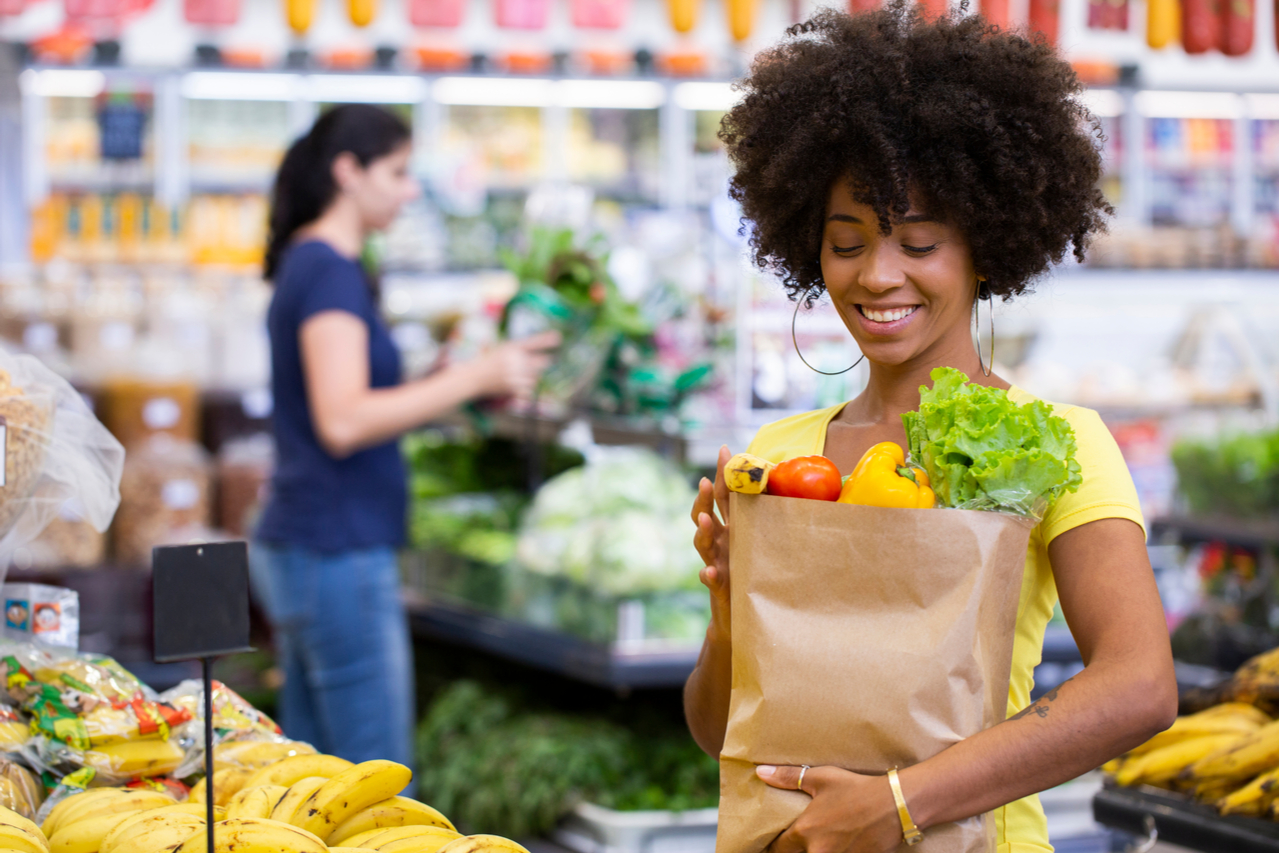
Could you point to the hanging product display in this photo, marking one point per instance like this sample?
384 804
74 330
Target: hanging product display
742 18
1109 14
436 13
996 12
1042 16
521 14
684 14
599 14
932 9
1237 27
362 12
856 6
211 13
1201 25
300 14
1164 23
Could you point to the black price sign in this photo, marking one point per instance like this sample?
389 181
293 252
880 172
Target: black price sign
200 596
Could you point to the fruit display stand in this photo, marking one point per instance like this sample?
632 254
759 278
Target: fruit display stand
1167 817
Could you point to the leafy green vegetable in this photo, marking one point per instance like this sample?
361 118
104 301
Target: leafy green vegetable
983 451
493 767
1233 475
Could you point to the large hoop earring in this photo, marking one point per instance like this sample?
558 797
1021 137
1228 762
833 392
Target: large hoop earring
796 343
985 293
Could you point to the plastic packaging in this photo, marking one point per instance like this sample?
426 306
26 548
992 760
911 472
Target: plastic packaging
40 613
20 790
54 450
234 720
68 542
164 490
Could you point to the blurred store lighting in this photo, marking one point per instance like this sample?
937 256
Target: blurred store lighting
63 83
537 92
610 94
1189 104
1260 106
1103 103
493 92
232 86
713 97
365 88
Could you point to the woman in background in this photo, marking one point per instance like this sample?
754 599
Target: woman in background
325 557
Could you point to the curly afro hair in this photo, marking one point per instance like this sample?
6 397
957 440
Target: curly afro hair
980 125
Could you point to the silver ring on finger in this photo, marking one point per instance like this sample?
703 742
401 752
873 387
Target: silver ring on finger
800 781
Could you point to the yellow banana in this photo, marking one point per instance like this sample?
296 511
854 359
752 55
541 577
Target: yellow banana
13 736
226 782
1164 764
434 836
129 801
1253 798
9 817
73 803
19 838
180 812
1198 725
298 793
134 758
86 836
1209 791
286 771
146 831
1241 709
425 842
393 811
350 791
1255 754
255 802
483 844
747 474
260 753
254 835
347 849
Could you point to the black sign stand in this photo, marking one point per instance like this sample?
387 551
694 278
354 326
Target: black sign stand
200 601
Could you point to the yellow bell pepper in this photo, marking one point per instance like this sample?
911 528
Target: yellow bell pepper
882 479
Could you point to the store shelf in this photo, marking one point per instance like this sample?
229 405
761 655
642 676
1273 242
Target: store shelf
1179 821
1246 533
611 667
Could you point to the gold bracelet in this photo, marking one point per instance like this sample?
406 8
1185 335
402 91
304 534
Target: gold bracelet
910 832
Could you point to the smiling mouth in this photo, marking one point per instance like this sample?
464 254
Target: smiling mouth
888 315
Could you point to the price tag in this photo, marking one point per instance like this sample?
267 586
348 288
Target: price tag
201 599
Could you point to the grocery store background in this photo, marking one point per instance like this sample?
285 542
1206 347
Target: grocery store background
569 143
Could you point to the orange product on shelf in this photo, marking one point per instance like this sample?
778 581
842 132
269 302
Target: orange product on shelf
67 46
1201 25
856 6
742 18
349 58
526 61
683 63
1042 17
607 63
362 12
243 57
47 223
211 13
1096 72
128 227
684 14
1237 27
300 14
136 409
429 58
599 14
1164 23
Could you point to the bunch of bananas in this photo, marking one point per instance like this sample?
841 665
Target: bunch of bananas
1226 755
271 797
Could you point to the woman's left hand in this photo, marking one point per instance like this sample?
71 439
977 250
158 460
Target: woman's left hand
850 813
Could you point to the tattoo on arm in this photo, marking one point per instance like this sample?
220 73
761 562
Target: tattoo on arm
1040 707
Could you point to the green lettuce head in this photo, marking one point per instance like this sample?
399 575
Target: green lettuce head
981 450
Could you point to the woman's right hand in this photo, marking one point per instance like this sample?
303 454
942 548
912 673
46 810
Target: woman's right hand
512 369
712 542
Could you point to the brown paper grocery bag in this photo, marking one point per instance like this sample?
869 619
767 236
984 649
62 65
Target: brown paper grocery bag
865 638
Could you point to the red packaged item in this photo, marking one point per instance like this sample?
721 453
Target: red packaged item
1201 25
1237 27
856 6
12 7
521 14
599 14
934 9
211 13
996 12
436 13
1042 17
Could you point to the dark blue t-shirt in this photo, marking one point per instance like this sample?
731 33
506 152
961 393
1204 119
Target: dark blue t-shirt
317 501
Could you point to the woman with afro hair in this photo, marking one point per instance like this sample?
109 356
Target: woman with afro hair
909 169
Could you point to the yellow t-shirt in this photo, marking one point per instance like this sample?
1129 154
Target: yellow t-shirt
1106 491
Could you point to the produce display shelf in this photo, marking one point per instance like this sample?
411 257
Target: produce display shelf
1181 822
618 667
1246 533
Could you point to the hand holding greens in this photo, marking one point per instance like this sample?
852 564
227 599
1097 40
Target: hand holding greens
983 451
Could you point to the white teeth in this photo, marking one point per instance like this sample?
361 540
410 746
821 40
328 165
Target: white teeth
888 316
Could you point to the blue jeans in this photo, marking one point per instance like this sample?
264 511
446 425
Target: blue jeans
343 642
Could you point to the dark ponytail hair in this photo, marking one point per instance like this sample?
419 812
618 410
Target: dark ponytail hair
304 184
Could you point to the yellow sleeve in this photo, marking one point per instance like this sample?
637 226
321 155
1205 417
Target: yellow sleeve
1106 490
